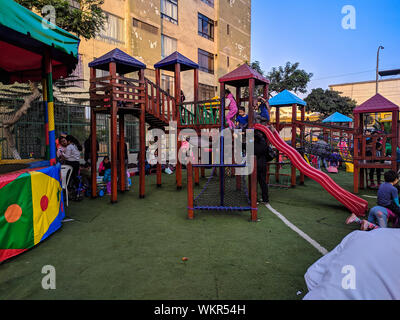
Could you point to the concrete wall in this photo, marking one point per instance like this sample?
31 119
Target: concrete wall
362 91
236 44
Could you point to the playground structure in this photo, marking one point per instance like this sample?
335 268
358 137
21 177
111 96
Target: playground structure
31 201
117 95
230 193
366 157
303 136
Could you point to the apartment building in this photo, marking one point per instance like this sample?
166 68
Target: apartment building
362 91
213 33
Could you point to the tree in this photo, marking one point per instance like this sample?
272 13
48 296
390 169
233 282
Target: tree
84 18
258 90
289 77
328 102
257 66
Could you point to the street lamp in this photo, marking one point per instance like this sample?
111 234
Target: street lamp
377 67
377 74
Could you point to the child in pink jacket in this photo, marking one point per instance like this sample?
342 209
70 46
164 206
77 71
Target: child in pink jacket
230 103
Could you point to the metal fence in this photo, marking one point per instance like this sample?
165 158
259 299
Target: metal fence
29 131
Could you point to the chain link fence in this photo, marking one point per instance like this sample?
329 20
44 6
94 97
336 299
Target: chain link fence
29 131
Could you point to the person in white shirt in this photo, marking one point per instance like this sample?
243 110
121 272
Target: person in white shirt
71 156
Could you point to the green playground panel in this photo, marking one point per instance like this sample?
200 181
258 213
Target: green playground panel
205 115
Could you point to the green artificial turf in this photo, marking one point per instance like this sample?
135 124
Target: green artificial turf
134 249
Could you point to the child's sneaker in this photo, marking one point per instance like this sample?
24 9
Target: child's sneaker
351 219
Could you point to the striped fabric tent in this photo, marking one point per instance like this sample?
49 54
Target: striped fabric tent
32 49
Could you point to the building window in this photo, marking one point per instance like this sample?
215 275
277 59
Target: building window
227 29
209 2
113 30
144 26
169 10
167 84
227 62
168 45
206 27
206 61
206 92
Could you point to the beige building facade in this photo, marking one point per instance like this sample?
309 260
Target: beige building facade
362 91
216 34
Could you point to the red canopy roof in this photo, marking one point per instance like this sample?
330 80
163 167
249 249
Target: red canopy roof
240 76
377 103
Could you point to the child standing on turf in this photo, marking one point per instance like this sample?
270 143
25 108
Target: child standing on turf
231 104
388 195
105 171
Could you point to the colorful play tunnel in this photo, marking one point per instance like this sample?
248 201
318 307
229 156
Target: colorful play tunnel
31 209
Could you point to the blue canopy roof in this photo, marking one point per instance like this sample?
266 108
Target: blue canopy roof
125 63
337 117
169 63
286 98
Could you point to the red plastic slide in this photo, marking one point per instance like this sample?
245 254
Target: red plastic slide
353 203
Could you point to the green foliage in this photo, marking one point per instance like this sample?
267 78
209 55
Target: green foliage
256 66
328 102
289 77
85 18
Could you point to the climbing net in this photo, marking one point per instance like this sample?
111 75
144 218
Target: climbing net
228 193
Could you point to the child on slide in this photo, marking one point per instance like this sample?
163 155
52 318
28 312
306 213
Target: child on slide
231 104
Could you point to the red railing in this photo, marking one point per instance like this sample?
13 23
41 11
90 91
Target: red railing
159 103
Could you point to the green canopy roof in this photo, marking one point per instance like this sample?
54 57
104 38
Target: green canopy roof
24 39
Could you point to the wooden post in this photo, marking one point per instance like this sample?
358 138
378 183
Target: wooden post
251 102
294 131
253 176
51 138
158 83
302 137
142 137
93 125
122 171
178 144
196 99
190 193
357 133
114 187
278 128
222 160
159 103
93 170
253 200
238 100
